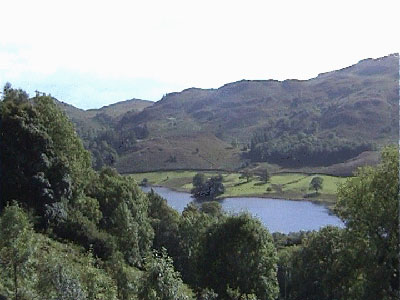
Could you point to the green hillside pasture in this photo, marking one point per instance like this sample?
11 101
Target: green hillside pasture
285 185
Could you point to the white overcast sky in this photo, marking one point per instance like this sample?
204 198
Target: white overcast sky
93 53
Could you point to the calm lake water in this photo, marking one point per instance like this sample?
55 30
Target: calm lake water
277 215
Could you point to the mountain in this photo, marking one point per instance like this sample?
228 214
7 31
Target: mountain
323 121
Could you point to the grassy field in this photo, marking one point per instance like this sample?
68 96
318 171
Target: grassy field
285 185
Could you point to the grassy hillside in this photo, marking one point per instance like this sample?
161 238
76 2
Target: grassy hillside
183 152
339 114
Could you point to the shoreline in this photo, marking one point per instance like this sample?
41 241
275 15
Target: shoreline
329 204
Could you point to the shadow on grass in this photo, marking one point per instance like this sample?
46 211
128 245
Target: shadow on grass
312 195
240 183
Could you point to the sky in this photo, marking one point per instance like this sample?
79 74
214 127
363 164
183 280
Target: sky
94 53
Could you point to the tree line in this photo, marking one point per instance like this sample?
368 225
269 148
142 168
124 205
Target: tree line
304 149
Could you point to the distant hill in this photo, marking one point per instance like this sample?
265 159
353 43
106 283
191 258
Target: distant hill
120 108
323 121
98 120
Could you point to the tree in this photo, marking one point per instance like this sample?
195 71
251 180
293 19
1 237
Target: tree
212 208
126 231
62 282
369 206
193 226
17 246
165 222
31 172
66 275
316 183
317 270
160 281
207 189
199 180
124 208
144 182
265 176
207 294
239 255
246 174
67 145
125 277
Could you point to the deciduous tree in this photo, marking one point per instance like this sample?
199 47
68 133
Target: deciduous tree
160 281
17 246
316 184
369 206
239 255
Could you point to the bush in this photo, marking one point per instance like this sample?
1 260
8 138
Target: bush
79 229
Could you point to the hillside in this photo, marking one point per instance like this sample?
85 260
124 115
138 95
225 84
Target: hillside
323 121
96 119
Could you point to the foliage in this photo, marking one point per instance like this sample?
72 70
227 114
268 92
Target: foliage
58 282
207 294
303 149
67 145
207 189
315 270
369 206
31 171
359 261
126 278
66 273
160 281
237 295
144 182
193 227
246 174
282 240
124 208
212 208
265 176
165 222
89 207
17 246
316 183
239 254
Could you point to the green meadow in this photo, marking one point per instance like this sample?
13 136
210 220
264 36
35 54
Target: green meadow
280 185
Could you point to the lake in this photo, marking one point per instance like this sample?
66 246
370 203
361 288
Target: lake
277 215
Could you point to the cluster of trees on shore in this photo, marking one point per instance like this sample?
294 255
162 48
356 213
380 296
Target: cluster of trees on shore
70 232
207 189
